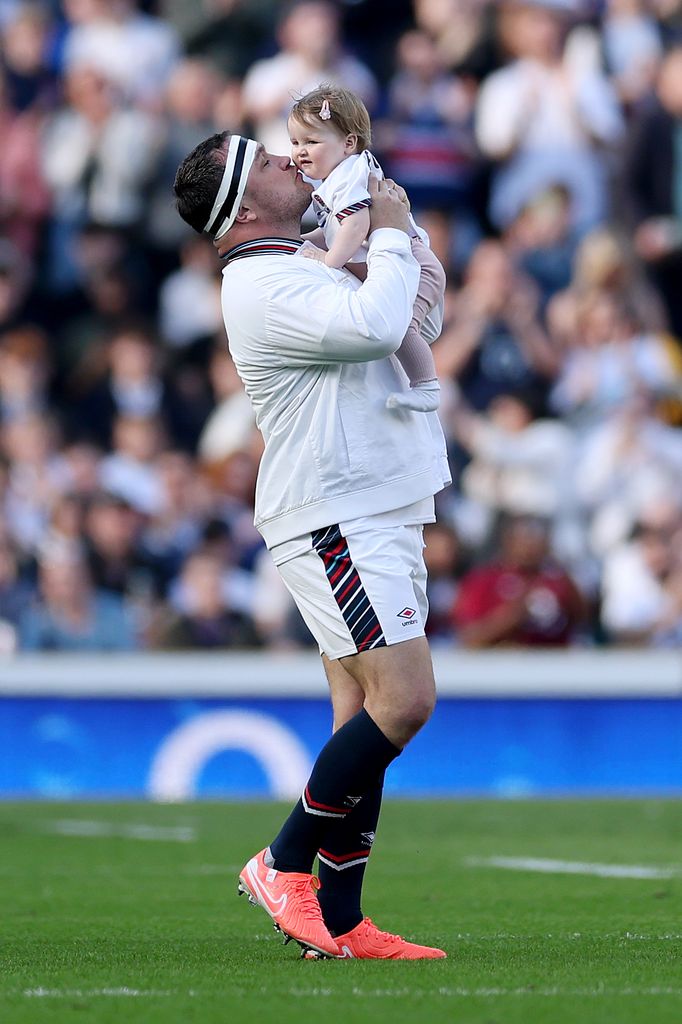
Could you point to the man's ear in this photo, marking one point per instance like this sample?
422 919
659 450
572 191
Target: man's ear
245 215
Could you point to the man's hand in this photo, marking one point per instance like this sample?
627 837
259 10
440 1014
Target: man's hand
388 209
402 194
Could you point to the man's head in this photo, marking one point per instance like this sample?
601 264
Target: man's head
512 412
525 542
202 585
311 30
534 29
111 525
63 577
231 188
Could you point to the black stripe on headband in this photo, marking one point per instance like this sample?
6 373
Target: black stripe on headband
226 209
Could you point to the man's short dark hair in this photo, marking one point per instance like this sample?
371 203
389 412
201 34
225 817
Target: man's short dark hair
198 179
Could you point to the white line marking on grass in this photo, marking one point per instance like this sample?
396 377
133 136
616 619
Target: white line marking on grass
89 993
525 936
486 993
82 829
572 867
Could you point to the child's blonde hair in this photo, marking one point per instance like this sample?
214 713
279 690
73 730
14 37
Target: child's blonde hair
347 113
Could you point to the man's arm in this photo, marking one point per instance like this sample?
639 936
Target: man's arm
496 627
480 621
314 318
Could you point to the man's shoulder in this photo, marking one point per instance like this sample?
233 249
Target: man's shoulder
263 268
256 282
253 270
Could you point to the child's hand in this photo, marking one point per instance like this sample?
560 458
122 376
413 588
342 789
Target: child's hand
311 252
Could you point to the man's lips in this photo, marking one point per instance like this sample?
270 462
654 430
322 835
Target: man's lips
298 175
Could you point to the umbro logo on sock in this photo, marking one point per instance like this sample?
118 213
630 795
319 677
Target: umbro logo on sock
367 838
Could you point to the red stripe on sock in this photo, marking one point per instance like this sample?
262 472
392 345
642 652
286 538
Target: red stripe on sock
324 807
346 856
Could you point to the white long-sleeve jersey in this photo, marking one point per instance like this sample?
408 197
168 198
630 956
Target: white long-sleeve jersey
314 349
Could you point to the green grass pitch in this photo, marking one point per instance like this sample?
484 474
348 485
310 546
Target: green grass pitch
128 912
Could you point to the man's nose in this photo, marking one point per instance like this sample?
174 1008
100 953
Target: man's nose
284 162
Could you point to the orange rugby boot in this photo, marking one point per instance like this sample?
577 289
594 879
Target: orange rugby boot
367 942
290 899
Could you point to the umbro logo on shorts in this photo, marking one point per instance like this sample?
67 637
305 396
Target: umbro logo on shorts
407 613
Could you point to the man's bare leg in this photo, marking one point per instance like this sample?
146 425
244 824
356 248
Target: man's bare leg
396 703
399 694
347 696
344 851
346 847
399 688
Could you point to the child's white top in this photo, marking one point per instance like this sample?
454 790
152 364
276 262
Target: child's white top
344 192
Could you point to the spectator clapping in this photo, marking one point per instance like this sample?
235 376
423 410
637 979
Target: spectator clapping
538 142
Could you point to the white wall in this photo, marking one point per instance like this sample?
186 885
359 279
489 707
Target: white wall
511 673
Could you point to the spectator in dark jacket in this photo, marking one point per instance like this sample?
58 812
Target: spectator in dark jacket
206 621
654 179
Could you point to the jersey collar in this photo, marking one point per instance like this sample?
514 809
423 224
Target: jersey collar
262 247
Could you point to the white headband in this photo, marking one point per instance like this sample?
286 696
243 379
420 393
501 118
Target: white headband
241 153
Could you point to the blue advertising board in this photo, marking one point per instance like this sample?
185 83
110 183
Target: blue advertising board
174 748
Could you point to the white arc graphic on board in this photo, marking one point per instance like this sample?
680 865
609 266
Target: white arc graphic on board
182 756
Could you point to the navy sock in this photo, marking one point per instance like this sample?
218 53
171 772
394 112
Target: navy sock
343 860
347 766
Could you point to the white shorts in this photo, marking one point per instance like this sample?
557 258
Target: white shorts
360 592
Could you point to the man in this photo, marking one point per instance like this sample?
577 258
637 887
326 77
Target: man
523 597
344 487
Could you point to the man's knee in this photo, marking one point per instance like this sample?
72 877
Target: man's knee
400 692
417 710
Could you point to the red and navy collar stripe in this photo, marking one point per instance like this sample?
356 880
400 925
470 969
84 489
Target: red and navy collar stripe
319 201
263 247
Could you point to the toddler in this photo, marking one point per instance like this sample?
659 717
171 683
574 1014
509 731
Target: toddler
330 131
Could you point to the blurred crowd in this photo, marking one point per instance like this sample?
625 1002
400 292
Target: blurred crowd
540 142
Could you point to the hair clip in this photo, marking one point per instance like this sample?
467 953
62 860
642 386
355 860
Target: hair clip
325 112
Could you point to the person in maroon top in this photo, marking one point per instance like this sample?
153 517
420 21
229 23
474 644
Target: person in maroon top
523 597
